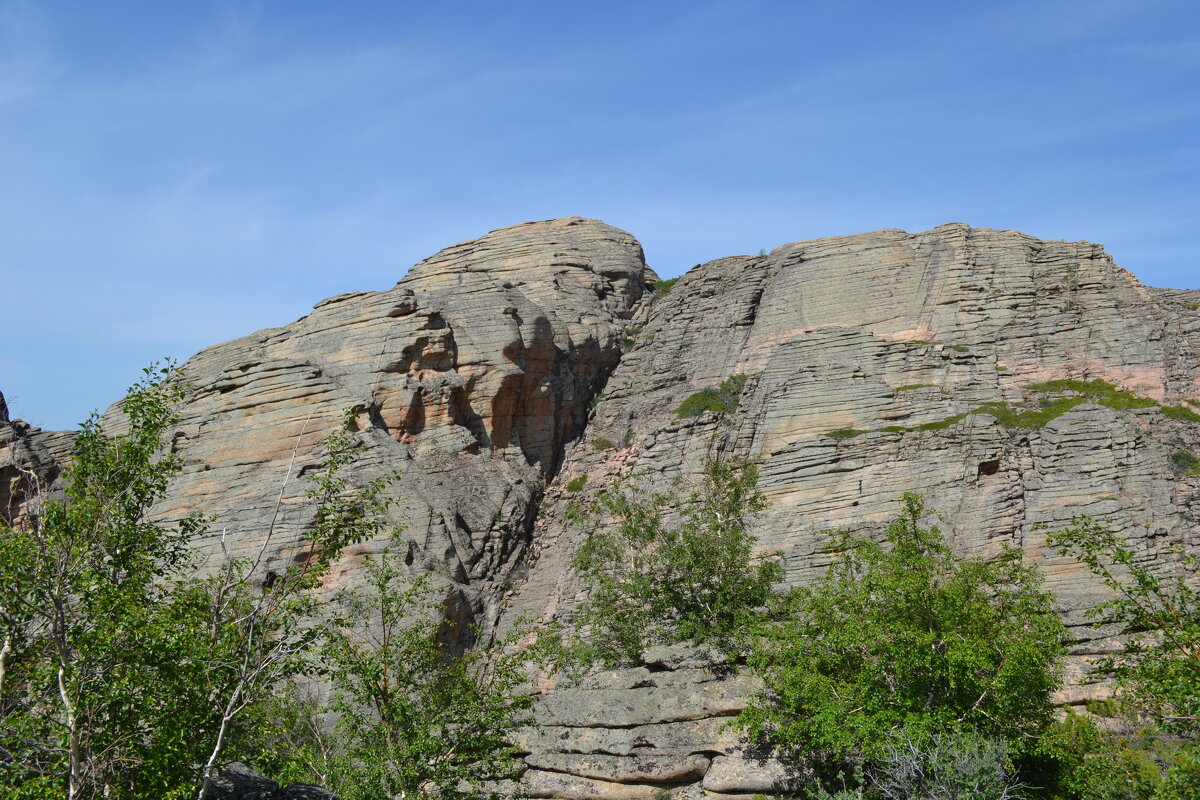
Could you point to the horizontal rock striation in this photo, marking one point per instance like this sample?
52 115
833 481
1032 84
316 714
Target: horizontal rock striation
469 376
633 734
30 461
872 361
501 372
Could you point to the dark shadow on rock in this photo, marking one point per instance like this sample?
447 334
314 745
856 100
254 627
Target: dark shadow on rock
238 782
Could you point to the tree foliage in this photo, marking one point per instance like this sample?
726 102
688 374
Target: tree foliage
1157 674
726 397
411 717
121 675
1159 670
904 639
670 569
83 587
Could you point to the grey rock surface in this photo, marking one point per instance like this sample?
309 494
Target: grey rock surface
30 461
469 376
647 732
878 335
238 782
493 373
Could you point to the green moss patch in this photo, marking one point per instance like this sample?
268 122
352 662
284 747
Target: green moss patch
941 424
1181 413
1097 391
1020 417
844 433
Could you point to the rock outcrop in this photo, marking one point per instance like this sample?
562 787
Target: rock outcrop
469 376
502 369
239 782
869 358
29 462
632 734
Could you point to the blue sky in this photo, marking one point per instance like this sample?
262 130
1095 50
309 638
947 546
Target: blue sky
176 174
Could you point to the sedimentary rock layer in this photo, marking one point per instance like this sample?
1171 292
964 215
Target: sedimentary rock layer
501 370
468 377
871 338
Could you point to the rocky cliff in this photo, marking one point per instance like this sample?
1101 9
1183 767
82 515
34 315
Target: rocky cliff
892 362
501 369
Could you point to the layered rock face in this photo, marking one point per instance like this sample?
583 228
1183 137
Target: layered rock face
631 734
872 337
29 462
469 377
869 359
501 369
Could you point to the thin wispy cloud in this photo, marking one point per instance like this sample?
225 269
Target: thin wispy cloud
178 174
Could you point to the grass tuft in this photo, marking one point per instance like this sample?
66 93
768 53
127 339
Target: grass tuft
941 424
1186 462
1097 391
1180 413
721 399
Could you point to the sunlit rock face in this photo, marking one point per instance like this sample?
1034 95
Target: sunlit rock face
469 377
29 462
501 369
872 337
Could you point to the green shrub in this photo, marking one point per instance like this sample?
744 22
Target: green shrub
1159 672
1185 461
722 399
906 639
121 674
600 443
410 720
912 387
1075 758
577 483
662 287
704 400
673 568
